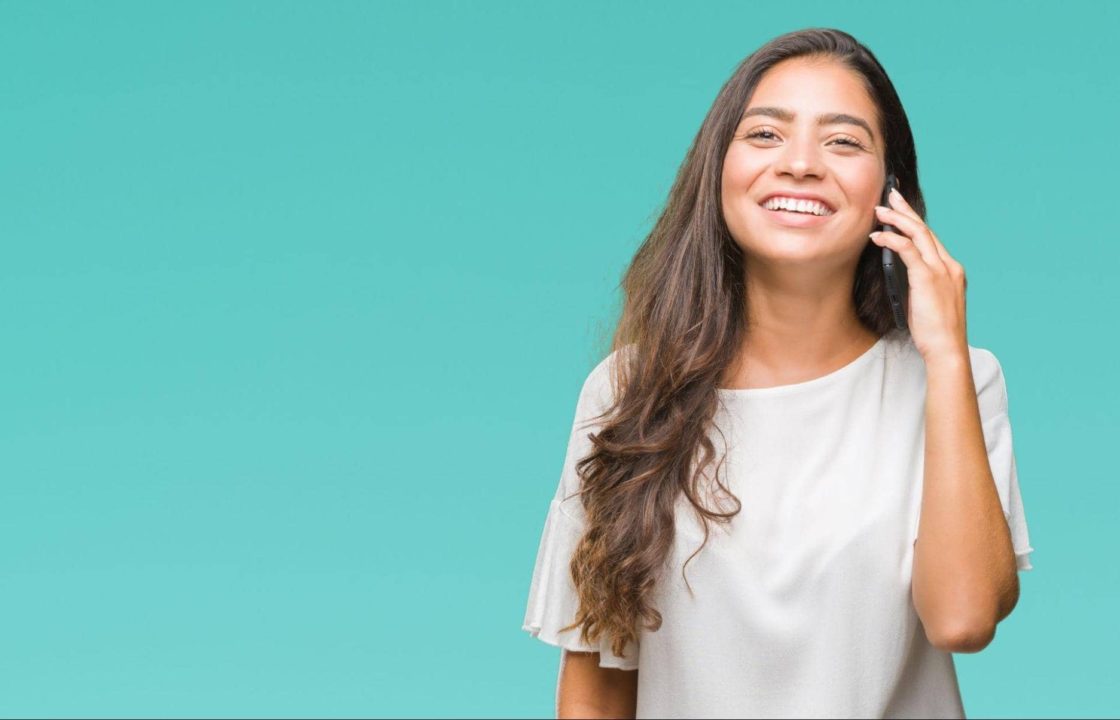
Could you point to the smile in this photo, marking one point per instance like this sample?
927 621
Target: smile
792 218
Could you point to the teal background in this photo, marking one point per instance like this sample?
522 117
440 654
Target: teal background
297 299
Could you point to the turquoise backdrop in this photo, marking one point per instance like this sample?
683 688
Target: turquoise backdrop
297 298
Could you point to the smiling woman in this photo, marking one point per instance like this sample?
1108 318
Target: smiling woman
810 133
757 338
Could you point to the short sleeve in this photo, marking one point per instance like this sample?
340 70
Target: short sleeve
991 389
553 600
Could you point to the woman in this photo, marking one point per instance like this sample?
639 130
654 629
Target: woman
774 502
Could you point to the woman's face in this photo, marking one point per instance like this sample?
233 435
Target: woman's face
793 154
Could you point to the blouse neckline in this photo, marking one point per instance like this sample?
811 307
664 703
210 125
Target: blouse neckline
807 385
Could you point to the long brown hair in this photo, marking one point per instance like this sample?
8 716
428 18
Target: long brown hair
681 326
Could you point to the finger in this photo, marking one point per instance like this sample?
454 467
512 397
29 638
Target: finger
899 202
917 231
945 256
905 248
953 267
951 263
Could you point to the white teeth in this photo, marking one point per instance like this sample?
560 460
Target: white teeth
803 206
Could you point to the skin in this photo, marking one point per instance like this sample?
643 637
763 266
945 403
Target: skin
586 690
801 320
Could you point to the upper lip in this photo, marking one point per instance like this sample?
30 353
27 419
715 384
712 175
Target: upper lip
800 196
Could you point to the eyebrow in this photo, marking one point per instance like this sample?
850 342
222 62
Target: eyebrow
822 119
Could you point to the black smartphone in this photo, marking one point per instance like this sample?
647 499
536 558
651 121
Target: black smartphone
894 270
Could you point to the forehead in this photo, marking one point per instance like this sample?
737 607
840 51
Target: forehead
812 87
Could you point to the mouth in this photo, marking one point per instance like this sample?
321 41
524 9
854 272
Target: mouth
792 218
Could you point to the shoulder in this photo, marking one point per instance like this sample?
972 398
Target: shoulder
987 371
599 387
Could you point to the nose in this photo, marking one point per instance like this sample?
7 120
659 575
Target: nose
800 158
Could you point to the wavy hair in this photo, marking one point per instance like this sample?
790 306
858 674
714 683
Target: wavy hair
682 324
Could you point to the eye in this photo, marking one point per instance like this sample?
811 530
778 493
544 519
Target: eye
849 141
760 133
843 140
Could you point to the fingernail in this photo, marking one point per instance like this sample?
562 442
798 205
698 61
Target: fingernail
894 191
881 207
874 235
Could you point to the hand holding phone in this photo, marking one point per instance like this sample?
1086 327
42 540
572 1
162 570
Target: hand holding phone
894 270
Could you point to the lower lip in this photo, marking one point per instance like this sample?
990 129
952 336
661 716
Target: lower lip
795 219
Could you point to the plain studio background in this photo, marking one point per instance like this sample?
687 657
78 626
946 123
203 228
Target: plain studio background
298 297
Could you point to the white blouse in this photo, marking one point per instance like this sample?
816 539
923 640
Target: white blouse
801 606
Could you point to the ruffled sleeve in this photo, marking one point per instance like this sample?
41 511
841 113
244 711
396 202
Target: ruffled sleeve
552 595
991 390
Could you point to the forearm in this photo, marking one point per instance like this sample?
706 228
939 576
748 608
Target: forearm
964 575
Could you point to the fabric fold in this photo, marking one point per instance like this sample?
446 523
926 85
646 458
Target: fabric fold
553 600
1001 457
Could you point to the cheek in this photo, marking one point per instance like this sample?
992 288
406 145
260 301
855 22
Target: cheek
864 186
739 180
738 171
